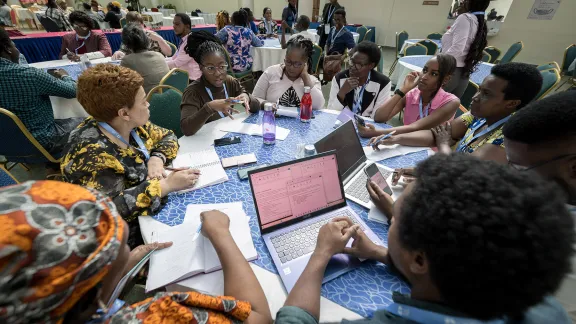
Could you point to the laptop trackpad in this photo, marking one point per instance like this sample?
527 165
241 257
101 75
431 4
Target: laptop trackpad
338 265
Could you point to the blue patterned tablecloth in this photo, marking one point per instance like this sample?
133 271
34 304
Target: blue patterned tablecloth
363 290
477 77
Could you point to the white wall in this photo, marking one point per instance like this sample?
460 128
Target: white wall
501 6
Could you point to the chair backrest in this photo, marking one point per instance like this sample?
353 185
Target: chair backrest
381 63
415 49
460 111
165 107
551 78
147 18
401 37
15 6
549 65
176 78
123 22
6 179
369 35
486 57
494 53
362 30
173 47
512 52
22 146
569 57
50 25
316 55
436 36
470 91
430 45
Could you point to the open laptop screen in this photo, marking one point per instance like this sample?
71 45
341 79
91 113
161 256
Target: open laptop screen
345 142
296 189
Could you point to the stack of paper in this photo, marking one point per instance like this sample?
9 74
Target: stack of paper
207 162
387 152
186 258
253 130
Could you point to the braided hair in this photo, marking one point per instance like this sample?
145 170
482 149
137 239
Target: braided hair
474 56
202 43
303 43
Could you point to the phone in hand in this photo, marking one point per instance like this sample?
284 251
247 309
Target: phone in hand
243 173
360 121
227 141
235 101
376 176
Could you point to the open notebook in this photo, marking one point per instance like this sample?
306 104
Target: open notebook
186 258
208 162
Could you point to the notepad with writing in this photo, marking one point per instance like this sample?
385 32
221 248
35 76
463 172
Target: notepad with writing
208 162
186 258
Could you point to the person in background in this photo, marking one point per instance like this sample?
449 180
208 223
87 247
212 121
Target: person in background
84 40
209 98
222 19
118 151
507 89
129 9
96 9
58 16
328 19
25 91
155 42
268 25
338 41
64 7
430 246
238 40
289 16
284 84
149 64
251 24
361 88
183 28
92 14
301 28
113 16
425 104
123 11
5 10
466 40
77 266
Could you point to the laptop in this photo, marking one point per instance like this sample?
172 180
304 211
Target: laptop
351 161
293 200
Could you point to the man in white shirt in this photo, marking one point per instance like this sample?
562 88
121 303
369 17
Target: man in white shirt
302 25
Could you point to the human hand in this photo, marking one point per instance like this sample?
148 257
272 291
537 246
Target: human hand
333 236
407 173
181 179
411 81
154 36
376 141
141 251
245 99
215 224
224 106
58 73
443 137
350 84
73 57
368 131
380 199
364 248
155 168
118 55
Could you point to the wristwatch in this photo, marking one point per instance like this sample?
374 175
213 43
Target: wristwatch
400 93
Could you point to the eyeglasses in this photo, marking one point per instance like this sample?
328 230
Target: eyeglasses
212 69
540 164
80 27
357 66
293 64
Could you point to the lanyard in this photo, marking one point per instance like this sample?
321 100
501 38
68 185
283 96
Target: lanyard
212 97
268 26
83 42
335 35
330 14
478 13
420 315
466 141
137 138
359 96
425 114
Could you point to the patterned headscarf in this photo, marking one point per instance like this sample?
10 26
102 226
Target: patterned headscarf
57 242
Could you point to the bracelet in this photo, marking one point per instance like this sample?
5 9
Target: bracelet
400 93
159 155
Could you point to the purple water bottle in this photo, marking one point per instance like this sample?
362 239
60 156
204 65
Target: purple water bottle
269 124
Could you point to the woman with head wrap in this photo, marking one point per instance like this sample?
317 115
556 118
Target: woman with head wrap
63 251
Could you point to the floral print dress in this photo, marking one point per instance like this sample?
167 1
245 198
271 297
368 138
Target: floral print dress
238 41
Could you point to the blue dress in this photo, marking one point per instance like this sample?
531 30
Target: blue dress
238 41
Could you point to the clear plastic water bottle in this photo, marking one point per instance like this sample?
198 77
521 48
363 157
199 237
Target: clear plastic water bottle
269 124
306 106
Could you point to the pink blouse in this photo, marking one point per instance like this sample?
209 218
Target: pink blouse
412 109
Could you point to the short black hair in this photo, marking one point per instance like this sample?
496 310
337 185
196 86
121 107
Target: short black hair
544 120
5 41
134 38
130 8
202 43
265 9
304 21
305 44
446 67
184 18
86 6
524 81
341 12
369 49
81 17
497 240
248 11
240 18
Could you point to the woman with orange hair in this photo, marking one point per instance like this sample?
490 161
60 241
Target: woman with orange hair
222 19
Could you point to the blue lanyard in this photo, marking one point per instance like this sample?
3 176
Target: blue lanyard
425 114
478 13
465 142
358 102
212 97
330 14
268 26
424 316
334 35
137 138
116 306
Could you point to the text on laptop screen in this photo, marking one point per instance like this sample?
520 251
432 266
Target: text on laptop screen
295 190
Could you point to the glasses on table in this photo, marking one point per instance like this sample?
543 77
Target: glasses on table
212 69
357 66
80 27
296 64
540 164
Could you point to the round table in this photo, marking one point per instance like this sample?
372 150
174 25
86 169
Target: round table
315 32
167 12
209 18
408 64
409 42
156 17
168 21
269 54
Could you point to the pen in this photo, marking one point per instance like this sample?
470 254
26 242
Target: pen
197 232
384 137
180 169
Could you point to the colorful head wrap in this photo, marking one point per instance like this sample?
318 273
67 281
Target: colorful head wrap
116 4
58 241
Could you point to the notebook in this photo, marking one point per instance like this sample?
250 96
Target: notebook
208 162
186 258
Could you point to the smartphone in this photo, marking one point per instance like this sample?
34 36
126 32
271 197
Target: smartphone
376 176
243 173
51 70
235 101
227 141
360 120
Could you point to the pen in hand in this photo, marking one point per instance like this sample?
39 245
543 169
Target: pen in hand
181 169
197 232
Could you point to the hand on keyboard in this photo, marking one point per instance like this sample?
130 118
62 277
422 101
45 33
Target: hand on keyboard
333 237
364 248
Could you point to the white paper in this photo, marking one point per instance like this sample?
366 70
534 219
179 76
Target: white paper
287 111
376 215
239 160
254 130
544 9
387 152
208 162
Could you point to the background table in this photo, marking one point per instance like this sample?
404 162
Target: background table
363 290
409 42
156 16
168 21
269 54
167 12
416 63
315 32
209 18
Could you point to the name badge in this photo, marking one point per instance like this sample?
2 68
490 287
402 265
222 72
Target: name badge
327 29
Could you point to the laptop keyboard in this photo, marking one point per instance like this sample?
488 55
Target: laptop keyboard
302 240
358 188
